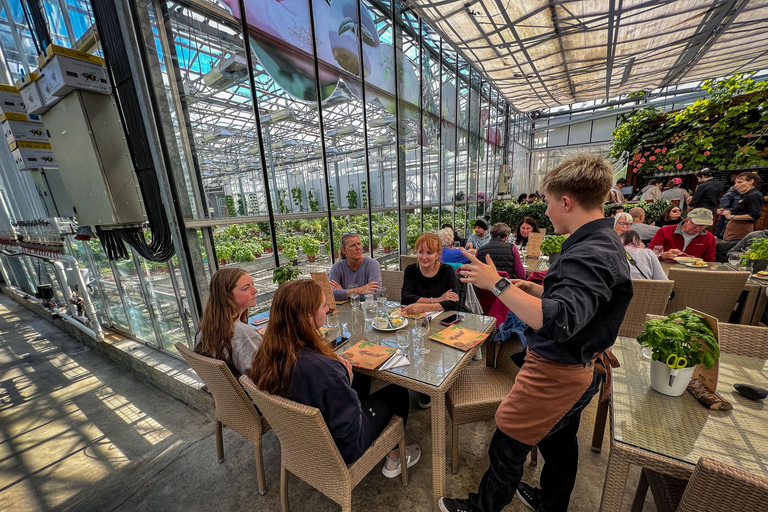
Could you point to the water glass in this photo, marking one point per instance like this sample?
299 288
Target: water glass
422 329
457 245
402 341
354 297
734 260
332 322
381 297
369 310
658 250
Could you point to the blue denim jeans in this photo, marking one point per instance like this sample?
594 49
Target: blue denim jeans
560 450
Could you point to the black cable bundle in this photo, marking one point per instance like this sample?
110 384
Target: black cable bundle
160 248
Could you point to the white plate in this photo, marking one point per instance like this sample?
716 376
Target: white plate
405 322
695 266
759 278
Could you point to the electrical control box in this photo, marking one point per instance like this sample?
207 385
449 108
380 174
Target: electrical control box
94 162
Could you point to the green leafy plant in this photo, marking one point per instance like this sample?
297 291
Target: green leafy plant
314 204
352 199
364 193
389 239
511 213
758 250
552 244
298 198
281 201
460 195
310 246
680 334
290 252
653 210
229 201
282 275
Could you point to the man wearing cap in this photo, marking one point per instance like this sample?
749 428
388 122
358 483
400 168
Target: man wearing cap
480 237
615 195
707 192
690 237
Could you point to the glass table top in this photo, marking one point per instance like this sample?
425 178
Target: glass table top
680 427
432 368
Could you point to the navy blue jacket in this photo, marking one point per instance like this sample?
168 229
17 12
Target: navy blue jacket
586 294
321 382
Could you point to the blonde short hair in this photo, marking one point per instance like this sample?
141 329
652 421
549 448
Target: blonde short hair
584 178
446 237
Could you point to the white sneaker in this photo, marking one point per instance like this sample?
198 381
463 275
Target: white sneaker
392 467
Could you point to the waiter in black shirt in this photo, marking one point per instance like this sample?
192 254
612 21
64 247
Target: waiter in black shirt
573 320
707 193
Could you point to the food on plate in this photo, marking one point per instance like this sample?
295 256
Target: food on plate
699 263
396 322
685 259
762 273
381 322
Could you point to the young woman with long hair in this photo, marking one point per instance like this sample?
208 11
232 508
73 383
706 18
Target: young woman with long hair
672 215
524 228
297 363
224 333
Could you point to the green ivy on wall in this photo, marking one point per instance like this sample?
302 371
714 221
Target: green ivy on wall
726 130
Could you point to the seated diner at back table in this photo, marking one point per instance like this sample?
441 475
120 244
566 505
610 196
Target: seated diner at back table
689 237
354 267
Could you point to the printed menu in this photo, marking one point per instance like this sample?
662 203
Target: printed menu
365 354
534 244
321 278
459 337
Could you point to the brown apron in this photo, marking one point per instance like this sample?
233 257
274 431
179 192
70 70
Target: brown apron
738 229
544 391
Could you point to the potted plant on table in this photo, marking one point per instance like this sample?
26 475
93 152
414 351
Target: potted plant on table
552 246
676 348
757 255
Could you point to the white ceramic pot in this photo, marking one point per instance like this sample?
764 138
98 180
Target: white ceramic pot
660 374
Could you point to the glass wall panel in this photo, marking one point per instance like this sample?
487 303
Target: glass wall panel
163 300
77 249
133 295
107 282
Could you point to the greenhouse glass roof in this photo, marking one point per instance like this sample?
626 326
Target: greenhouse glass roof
542 54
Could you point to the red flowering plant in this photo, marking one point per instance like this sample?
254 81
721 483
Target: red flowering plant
728 129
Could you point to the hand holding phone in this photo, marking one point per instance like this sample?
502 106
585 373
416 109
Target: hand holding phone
452 319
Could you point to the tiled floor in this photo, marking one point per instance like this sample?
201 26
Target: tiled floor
80 434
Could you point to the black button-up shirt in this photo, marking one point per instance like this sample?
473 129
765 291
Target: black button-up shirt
586 294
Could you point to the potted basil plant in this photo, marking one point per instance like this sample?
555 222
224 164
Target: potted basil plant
757 255
675 344
552 246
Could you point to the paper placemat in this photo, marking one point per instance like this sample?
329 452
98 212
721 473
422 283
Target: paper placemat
459 337
400 310
367 355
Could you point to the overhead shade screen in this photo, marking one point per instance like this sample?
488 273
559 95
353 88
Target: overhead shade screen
548 53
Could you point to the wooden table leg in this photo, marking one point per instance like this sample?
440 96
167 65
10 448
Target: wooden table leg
616 475
438 448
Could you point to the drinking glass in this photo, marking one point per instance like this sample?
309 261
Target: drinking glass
523 254
381 297
354 297
422 329
332 322
369 309
402 341
658 250
457 245
734 260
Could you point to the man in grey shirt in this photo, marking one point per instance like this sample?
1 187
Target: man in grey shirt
646 231
480 237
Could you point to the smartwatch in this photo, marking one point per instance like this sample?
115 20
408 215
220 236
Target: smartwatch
501 286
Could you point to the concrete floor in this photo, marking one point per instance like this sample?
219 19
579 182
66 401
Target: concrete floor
80 434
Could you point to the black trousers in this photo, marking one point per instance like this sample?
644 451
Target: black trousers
379 407
560 450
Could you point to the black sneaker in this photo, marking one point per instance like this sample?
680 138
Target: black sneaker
425 401
529 495
453 505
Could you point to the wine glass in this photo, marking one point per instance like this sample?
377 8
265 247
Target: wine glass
658 250
422 329
354 297
332 321
457 244
734 259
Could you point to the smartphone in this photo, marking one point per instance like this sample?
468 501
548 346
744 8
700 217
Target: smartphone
452 319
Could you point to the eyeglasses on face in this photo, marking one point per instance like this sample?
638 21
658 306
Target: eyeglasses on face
624 223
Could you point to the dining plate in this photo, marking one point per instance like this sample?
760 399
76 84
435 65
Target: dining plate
759 278
405 322
694 266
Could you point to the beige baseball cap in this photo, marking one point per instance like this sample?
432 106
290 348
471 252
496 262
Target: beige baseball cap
701 217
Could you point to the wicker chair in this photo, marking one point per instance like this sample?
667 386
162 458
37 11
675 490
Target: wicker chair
406 260
233 407
309 452
649 297
716 486
477 393
667 491
713 293
393 282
